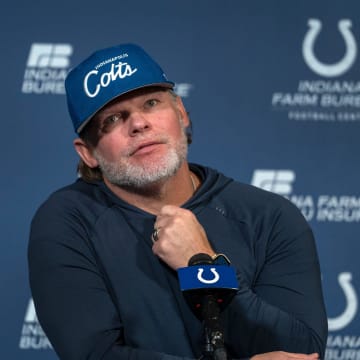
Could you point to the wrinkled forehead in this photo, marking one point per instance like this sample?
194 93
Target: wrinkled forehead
131 96
122 99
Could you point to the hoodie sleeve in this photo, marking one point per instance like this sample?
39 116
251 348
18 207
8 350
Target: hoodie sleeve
281 307
73 305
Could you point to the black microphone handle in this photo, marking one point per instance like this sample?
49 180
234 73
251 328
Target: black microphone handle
214 347
214 332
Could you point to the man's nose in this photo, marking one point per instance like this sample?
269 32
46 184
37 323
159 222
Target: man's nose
138 122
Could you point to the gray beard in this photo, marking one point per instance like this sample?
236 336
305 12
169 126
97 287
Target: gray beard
130 176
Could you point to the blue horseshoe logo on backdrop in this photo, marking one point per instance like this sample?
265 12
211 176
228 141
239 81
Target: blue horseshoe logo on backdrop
329 70
212 281
349 313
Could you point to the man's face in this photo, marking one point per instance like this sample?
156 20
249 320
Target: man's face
142 138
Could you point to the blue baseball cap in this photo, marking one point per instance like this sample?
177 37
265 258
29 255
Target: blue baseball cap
107 74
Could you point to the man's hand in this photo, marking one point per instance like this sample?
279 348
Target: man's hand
282 355
180 236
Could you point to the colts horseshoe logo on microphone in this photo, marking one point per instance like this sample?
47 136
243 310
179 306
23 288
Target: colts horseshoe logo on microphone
214 280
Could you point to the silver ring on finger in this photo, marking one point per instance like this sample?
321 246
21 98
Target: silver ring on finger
155 235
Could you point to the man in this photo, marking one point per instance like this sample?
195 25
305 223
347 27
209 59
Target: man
104 251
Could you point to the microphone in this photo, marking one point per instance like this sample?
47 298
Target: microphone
208 289
202 278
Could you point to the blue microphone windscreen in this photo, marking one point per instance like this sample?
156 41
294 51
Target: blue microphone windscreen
207 277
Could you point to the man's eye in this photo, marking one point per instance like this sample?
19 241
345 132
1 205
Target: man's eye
114 118
151 102
110 122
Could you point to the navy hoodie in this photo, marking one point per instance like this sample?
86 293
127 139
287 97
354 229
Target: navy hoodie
101 293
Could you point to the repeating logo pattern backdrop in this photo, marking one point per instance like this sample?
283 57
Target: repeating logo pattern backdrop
273 90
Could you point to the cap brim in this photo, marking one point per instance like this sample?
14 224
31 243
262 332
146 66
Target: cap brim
168 85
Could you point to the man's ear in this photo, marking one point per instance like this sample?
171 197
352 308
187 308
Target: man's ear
85 152
183 113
